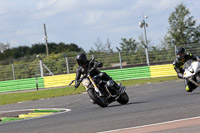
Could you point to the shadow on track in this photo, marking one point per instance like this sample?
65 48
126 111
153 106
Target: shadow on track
131 103
197 93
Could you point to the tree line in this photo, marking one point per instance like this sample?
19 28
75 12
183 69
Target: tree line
25 51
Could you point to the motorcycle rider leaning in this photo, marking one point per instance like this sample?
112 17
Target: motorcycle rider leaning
181 58
83 69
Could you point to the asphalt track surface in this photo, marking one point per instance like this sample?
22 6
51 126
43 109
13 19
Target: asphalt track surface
149 104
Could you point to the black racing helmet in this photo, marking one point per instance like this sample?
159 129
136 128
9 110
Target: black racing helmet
180 52
81 59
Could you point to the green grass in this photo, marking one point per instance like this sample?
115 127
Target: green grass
49 93
144 81
35 95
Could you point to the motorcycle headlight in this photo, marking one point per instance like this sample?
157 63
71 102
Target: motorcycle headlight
110 83
86 82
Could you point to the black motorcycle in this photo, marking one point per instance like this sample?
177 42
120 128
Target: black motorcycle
102 92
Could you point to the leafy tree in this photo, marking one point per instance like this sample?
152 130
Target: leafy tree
25 51
21 51
100 47
73 47
108 48
141 55
183 29
38 49
52 47
61 47
4 46
142 42
129 45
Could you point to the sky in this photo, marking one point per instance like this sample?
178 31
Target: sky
83 22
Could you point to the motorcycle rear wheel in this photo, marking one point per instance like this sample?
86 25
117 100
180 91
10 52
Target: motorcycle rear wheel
94 96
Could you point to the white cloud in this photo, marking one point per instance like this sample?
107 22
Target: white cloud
45 4
85 19
93 17
5 8
118 15
194 8
96 2
153 5
101 17
164 4
48 8
122 29
99 3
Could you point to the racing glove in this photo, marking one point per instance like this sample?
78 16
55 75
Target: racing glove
77 84
198 58
180 75
97 64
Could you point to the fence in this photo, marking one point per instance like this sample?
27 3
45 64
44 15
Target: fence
65 79
59 72
66 65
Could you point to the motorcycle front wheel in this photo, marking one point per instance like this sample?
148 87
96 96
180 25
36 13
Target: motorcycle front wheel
98 100
123 98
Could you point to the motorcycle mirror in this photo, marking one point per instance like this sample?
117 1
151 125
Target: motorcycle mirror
71 82
92 56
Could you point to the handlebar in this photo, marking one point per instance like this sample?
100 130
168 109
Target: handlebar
90 63
91 69
78 81
84 76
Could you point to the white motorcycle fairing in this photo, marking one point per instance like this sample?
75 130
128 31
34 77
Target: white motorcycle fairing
192 71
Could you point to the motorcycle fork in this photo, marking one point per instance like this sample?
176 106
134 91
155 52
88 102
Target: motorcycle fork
95 86
110 95
194 82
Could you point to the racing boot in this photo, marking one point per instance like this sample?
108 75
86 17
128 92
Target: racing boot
189 86
189 89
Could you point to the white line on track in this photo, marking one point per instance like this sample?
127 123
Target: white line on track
156 124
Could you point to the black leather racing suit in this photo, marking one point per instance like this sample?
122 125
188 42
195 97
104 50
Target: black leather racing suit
83 70
178 66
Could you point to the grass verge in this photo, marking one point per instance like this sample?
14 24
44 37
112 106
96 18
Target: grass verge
50 93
